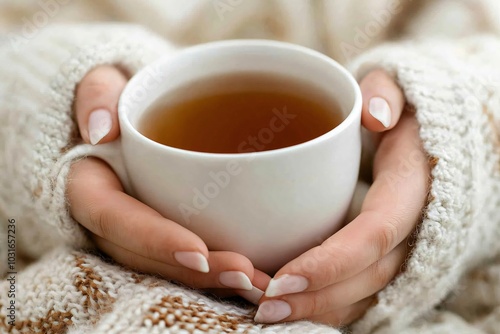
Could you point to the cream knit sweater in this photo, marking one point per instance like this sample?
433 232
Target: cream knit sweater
449 68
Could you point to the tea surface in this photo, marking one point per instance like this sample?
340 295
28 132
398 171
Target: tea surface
241 113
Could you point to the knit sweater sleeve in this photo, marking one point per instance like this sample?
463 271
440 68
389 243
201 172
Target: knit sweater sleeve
455 89
37 126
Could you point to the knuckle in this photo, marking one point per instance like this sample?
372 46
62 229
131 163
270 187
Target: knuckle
101 222
380 274
149 250
329 274
320 303
313 307
388 236
95 83
332 270
94 86
377 76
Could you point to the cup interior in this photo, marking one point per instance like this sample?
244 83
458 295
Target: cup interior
214 59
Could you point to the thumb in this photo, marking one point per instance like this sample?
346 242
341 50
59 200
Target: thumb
96 104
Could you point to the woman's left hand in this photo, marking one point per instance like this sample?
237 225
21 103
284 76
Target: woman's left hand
336 282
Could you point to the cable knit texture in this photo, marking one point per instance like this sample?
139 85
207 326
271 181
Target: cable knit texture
451 281
34 187
455 89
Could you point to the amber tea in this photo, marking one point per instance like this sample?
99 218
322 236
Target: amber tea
240 113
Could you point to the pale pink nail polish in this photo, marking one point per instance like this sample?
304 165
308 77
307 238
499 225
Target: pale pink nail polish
193 260
235 280
380 110
100 123
253 296
272 311
286 284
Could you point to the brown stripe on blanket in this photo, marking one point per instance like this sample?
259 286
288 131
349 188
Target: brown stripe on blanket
191 316
52 323
89 283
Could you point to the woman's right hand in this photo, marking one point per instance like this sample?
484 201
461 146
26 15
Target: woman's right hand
129 231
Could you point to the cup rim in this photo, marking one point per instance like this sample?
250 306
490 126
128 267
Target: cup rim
354 113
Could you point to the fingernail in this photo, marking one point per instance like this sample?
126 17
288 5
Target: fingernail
286 284
380 110
193 260
253 296
272 311
235 280
100 124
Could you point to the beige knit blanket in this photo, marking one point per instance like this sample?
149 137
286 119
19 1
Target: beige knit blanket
445 55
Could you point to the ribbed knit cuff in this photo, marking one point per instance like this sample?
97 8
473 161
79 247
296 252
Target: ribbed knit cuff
448 84
130 47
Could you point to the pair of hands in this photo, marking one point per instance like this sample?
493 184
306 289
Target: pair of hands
333 283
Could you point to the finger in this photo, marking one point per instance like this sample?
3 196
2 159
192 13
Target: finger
98 203
389 213
338 318
340 295
260 282
96 104
383 101
228 270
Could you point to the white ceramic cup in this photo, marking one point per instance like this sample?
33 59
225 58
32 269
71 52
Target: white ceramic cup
270 206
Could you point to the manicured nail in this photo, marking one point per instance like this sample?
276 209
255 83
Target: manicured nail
253 296
100 124
193 260
286 284
380 110
272 311
235 280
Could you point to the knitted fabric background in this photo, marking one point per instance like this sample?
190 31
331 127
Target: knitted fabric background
448 67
